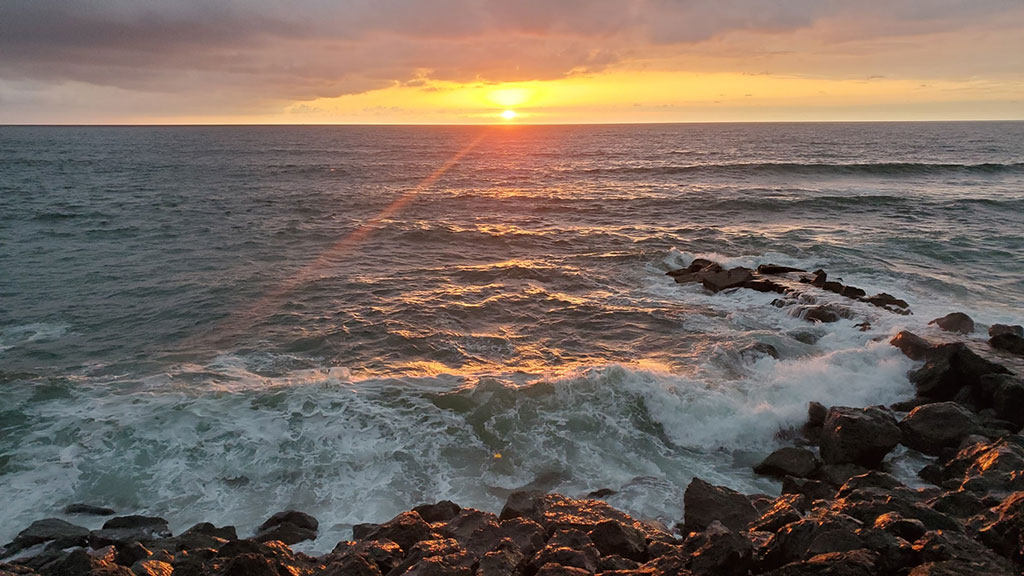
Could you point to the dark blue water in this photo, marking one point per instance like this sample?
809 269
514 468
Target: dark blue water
221 322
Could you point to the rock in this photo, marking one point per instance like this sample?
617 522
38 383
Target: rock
88 510
442 511
725 279
506 561
998 329
884 300
1008 342
910 529
785 509
383 555
851 563
816 414
721 552
568 548
941 546
1005 532
290 527
527 535
615 538
820 278
821 314
852 292
757 351
838 474
912 345
152 568
469 521
81 563
932 428
958 504
951 368
789 461
955 322
772 269
524 504
554 569
836 287
207 529
1008 399
406 530
812 489
703 503
957 568
810 536
858 435
63 534
602 493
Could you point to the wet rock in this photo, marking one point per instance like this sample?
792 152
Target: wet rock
523 504
1004 530
884 300
442 511
951 368
719 551
555 569
290 527
208 529
81 563
822 314
789 461
941 546
853 292
860 436
1009 343
999 329
772 269
383 555
912 345
152 568
725 279
63 534
838 474
784 510
703 503
526 534
955 322
836 287
602 493
757 351
88 510
764 285
568 548
816 414
1008 398
852 563
910 529
812 489
958 504
819 279
468 522
810 536
618 539
957 568
613 563
406 530
932 428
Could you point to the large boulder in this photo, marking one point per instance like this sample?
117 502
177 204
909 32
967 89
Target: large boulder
951 368
912 345
63 534
933 428
1003 531
997 329
955 322
789 461
725 279
1011 343
129 529
1008 398
406 530
860 436
290 527
703 503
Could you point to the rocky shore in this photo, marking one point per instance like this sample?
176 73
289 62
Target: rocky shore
841 511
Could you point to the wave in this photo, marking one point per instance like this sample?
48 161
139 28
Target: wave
880 169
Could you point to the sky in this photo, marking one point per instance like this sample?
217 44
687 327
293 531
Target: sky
512 61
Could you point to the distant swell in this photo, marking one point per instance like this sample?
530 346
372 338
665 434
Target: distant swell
821 169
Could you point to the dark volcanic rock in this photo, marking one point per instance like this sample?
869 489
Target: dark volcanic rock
759 350
816 414
776 269
442 511
852 563
1008 342
912 345
88 510
789 461
725 279
290 527
1004 531
703 503
955 322
884 300
823 314
63 534
932 428
858 435
813 489
1008 398
406 530
719 551
951 368
618 539
997 329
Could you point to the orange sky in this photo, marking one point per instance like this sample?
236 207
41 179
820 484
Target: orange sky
483 61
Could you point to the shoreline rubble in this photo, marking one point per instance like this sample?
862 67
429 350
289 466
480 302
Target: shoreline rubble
840 511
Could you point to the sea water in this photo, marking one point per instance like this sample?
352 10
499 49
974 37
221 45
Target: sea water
217 323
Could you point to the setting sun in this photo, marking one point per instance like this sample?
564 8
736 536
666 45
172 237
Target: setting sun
509 114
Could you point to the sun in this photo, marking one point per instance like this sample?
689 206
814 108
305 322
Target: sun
509 114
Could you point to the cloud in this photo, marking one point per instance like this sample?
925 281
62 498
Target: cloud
236 52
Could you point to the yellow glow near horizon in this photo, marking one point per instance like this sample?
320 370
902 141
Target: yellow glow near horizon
663 96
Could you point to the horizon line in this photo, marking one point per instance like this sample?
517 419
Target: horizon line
492 124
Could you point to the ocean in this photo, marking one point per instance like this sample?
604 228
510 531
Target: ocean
218 323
